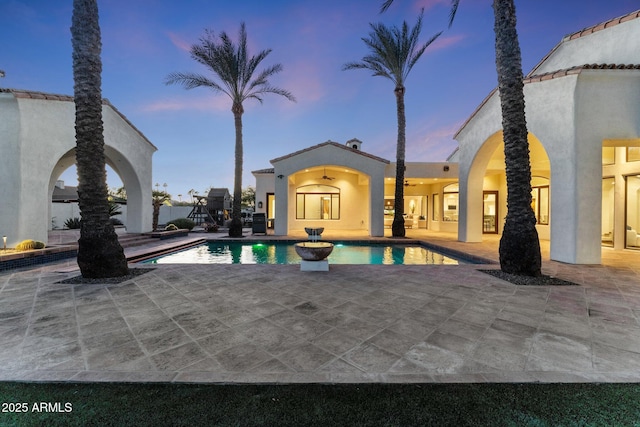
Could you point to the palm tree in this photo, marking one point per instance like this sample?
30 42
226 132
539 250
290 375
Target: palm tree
519 244
393 53
99 253
159 198
235 70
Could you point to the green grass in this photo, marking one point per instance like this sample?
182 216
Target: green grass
326 405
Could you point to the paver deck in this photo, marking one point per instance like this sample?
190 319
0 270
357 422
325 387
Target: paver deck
355 323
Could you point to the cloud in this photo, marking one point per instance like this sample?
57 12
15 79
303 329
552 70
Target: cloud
445 42
179 42
212 102
432 144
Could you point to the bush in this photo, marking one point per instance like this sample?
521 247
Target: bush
28 245
115 221
183 223
170 227
72 223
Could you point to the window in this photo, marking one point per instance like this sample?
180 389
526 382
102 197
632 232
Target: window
608 155
318 202
451 202
633 154
540 199
436 207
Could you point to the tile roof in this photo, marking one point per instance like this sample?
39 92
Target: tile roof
334 144
268 170
29 94
577 70
585 32
603 25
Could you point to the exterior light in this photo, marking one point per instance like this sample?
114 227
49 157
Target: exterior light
4 243
259 205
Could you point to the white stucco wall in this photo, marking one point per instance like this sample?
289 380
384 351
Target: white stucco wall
617 44
329 155
38 137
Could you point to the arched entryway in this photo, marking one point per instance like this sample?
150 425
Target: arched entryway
39 129
484 190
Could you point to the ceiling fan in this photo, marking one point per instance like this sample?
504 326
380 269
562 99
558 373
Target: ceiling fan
406 184
328 178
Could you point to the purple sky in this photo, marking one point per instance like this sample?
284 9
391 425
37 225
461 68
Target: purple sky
144 40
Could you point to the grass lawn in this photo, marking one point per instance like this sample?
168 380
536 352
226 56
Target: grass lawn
117 404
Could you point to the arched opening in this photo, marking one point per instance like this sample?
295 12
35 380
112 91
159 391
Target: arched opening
486 190
120 172
329 193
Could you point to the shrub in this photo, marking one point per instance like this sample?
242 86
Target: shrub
115 221
72 223
28 245
170 227
183 223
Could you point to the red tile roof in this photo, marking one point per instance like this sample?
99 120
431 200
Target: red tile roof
28 94
586 32
603 25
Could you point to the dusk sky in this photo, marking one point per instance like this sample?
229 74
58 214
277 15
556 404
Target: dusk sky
144 40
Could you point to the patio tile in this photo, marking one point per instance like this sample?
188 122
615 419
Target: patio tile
101 359
268 336
242 358
370 358
163 341
305 357
392 341
198 324
222 340
438 323
299 324
335 341
179 357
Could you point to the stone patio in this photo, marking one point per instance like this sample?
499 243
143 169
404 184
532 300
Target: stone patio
355 323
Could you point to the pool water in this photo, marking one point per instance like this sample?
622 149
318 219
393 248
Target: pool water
284 253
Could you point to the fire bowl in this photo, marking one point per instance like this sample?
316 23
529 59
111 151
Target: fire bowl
313 251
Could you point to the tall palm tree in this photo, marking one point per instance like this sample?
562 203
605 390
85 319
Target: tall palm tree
519 245
99 252
392 54
234 69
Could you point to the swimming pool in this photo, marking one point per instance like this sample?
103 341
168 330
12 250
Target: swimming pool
284 253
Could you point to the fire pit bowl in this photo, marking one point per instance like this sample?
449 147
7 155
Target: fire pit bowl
313 251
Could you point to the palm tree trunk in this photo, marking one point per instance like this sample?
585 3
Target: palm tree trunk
156 215
397 228
99 253
519 244
235 228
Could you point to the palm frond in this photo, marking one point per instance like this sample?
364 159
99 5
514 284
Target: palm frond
233 67
393 50
452 11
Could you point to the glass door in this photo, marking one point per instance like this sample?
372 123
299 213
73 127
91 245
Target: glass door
608 197
633 212
490 212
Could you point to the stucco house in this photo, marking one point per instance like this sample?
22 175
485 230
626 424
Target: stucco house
583 115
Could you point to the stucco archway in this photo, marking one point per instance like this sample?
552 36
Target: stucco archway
487 173
37 136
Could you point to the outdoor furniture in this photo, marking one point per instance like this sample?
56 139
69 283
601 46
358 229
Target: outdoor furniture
259 223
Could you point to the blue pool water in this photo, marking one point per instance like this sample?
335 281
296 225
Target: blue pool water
284 253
